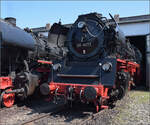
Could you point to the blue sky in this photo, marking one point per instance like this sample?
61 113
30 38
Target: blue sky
38 13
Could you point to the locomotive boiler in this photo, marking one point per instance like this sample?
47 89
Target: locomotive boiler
100 65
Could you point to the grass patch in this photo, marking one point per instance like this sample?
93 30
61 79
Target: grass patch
140 96
130 111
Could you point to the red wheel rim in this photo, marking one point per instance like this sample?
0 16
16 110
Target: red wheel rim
8 99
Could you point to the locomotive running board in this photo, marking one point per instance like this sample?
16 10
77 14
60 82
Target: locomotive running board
77 76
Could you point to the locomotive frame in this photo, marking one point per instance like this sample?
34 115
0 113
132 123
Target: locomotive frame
67 90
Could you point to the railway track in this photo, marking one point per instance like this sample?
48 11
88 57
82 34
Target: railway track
46 113
60 115
79 122
92 117
63 116
38 117
18 115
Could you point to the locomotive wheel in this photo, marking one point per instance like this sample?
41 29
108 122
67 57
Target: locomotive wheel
123 87
7 100
127 82
121 92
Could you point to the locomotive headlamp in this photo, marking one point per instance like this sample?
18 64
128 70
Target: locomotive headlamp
81 24
107 66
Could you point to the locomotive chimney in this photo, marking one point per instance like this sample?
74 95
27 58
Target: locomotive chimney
116 17
11 20
48 26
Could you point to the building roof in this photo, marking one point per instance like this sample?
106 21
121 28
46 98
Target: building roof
122 20
134 19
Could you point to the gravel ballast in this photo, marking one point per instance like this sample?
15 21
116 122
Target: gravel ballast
133 109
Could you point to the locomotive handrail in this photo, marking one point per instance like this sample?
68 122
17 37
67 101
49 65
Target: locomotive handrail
78 76
45 62
95 36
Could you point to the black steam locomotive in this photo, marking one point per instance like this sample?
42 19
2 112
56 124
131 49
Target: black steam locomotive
100 64
22 68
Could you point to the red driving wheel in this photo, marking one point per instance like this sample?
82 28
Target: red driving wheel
8 99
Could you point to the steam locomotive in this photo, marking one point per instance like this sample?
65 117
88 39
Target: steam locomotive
22 65
100 65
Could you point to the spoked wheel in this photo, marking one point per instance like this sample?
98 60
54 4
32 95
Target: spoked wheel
7 100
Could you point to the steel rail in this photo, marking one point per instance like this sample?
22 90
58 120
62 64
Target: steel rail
93 116
56 110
